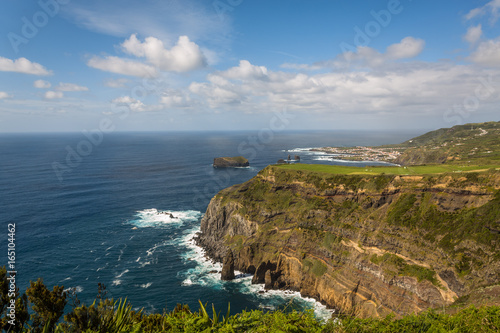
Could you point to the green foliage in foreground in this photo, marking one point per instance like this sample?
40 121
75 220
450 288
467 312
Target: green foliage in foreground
107 315
473 320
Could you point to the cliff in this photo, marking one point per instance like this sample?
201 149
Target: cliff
364 244
230 162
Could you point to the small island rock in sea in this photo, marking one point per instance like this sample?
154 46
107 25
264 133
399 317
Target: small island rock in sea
230 162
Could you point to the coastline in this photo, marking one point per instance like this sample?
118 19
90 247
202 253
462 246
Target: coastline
208 272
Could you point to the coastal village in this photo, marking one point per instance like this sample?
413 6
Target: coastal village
361 153
458 146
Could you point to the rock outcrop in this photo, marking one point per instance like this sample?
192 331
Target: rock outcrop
228 267
365 245
230 162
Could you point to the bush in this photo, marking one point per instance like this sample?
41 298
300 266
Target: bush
106 315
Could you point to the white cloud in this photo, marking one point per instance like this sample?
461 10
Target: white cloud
409 47
41 84
364 56
487 53
492 8
134 104
473 13
70 87
122 66
176 99
4 95
254 88
184 56
244 71
53 94
217 96
22 65
473 34
116 83
415 88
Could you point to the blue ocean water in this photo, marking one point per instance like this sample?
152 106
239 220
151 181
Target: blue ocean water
98 217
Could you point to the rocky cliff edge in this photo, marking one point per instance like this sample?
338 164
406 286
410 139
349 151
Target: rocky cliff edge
366 245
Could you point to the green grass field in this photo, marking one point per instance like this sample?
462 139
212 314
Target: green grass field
394 170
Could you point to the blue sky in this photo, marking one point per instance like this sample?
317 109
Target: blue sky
68 65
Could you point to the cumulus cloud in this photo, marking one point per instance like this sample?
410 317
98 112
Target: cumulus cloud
53 94
41 84
244 71
134 104
251 86
473 34
416 87
487 53
492 8
22 65
116 83
70 87
122 66
4 95
364 56
215 95
182 57
409 47
176 99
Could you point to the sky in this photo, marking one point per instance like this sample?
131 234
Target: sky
177 65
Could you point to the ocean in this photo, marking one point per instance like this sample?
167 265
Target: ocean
88 208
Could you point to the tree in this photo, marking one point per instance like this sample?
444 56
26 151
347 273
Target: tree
48 306
21 305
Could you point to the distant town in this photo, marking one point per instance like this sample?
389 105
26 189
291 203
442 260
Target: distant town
361 153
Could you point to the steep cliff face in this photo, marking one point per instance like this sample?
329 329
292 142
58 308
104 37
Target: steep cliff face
365 245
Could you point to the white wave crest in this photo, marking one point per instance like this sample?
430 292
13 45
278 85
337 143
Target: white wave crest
78 289
122 273
207 273
155 218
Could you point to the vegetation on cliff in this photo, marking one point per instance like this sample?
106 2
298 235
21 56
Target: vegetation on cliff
478 143
108 315
372 241
367 244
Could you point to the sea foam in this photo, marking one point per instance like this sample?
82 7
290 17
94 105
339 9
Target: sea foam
155 218
207 273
